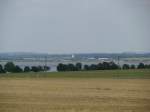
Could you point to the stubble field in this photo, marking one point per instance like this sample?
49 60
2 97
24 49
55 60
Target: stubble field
68 94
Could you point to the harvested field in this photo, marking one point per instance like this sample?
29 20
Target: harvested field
74 95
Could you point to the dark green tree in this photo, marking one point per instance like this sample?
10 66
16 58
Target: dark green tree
106 66
17 69
9 67
79 66
133 67
34 69
71 67
147 66
141 66
27 69
40 68
93 67
61 67
126 66
46 68
86 67
1 69
100 66
114 66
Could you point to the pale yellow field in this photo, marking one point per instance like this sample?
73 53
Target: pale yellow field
74 95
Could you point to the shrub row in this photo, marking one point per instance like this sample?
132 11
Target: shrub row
100 66
11 67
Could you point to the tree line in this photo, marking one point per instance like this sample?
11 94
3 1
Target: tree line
100 66
11 67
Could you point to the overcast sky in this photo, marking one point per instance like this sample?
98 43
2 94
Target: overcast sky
74 26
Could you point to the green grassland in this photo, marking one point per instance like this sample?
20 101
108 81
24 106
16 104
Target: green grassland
145 73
